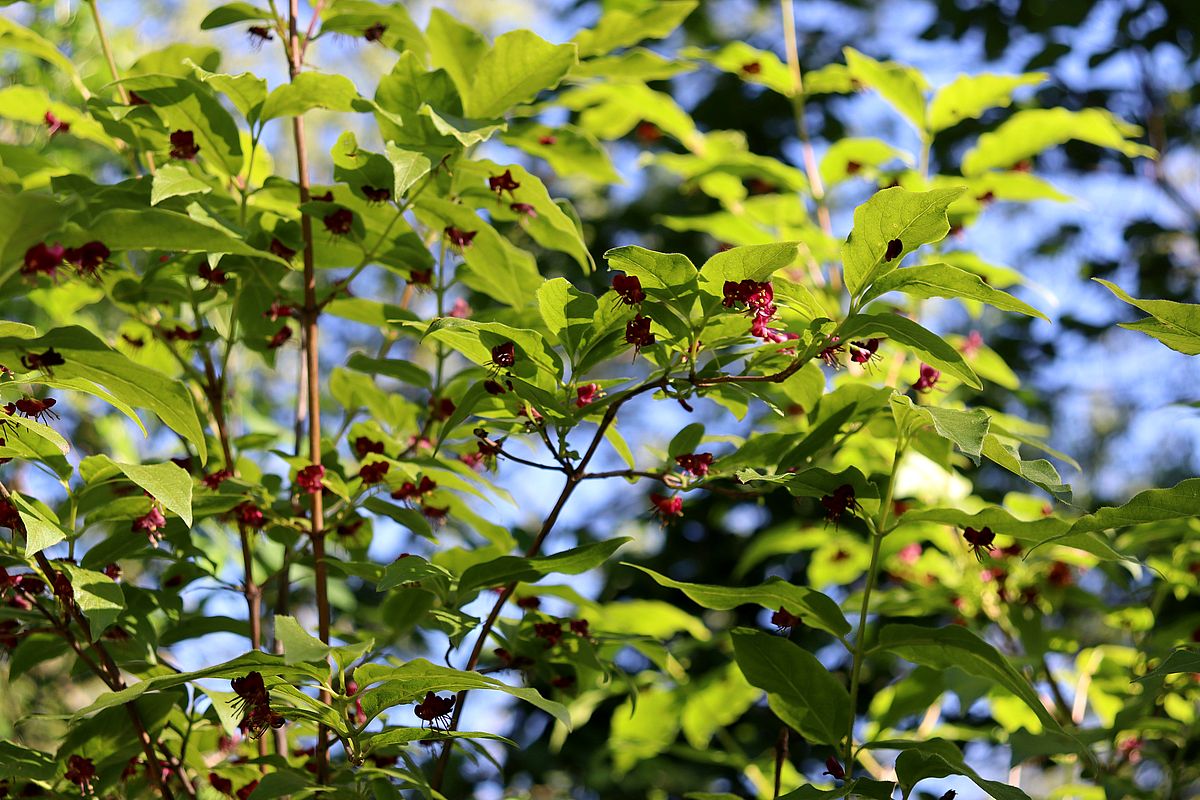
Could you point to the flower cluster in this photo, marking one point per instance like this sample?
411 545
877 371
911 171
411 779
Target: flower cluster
759 299
253 702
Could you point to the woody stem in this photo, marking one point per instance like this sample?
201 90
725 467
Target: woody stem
878 531
312 392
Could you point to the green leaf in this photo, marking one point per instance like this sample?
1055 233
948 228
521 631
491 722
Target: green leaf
310 90
390 737
507 569
929 347
159 229
403 371
815 609
468 132
968 96
231 14
1039 471
383 686
94 367
567 312
668 275
188 104
281 783
955 646
915 218
643 726
1032 533
267 663
734 57
97 595
495 266
624 26
298 644
938 758
519 66
408 168
943 280
18 37
801 692
246 91
40 531
536 362
966 429
1181 501
568 150
901 85
1178 661
167 483
1179 323
1029 132
753 262
455 47
863 152
21 762
174 180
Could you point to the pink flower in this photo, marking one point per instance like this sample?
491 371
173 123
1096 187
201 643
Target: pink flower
587 394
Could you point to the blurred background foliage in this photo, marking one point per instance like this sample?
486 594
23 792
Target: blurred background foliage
1124 407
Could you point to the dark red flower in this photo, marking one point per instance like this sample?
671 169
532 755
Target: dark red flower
249 515
647 132
752 68
421 277
524 209
562 681
493 387
54 125
830 354
836 505
929 378
587 394
696 463
212 274
435 514
979 540
43 258
666 507
504 355
214 479
180 333
894 248
377 195
364 446
32 408
80 771
278 310
637 333
222 785
411 491
1060 575
547 140
441 408
503 183
43 361
309 479
435 710
459 238
629 289
374 32
529 603
852 167
550 631
373 473
833 767
247 790
113 571
183 145
258 35
88 258
784 620
280 249
864 352
279 338
579 627
339 222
